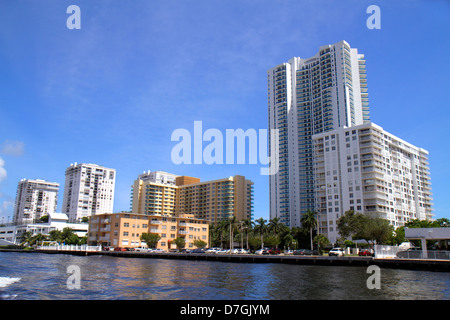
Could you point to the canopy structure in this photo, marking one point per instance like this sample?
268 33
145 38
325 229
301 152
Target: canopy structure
424 234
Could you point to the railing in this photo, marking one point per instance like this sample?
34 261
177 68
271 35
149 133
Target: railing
420 254
82 247
397 253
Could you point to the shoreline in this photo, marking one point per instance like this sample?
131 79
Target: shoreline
408 264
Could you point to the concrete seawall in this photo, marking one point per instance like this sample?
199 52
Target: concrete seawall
410 264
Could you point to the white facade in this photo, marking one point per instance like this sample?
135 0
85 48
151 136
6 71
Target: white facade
159 177
368 170
88 190
57 221
34 199
306 97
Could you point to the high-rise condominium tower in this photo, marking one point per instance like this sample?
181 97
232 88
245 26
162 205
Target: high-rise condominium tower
88 190
34 199
307 97
368 170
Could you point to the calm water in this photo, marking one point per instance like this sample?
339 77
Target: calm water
37 276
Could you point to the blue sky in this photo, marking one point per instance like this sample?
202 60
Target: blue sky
113 92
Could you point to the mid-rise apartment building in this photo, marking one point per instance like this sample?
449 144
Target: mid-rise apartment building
125 230
368 170
88 190
306 97
210 200
35 199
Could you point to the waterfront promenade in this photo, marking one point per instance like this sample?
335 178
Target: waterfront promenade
398 263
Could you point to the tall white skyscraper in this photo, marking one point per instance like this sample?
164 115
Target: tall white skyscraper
306 97
88 190
368 170
35 199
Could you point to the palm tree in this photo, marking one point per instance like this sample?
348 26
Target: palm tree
309 221
39 238
231 224
321 241
276 226
246 225
261 227
221 226
27 238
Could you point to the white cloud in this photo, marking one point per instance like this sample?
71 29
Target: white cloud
2 170
13 148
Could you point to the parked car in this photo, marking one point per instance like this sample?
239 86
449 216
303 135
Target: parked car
274 251
288 252
158 250
198 251
242 251
212 250
223 251
262 251
336 252
141 249
120 249
365 253
303 252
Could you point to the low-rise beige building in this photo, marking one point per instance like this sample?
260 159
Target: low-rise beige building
125 230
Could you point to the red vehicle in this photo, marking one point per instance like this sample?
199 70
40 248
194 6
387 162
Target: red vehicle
365 252
274 251
120 249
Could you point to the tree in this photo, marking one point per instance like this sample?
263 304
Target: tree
276 227
261 228
289 241
360 226
231 224
375 230
180 242
67 236
27 238
38 238
199 243
247 225
220 228
321 241
151 239
347 224
55 235
309 221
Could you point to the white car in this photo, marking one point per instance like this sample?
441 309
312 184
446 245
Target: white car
223 251
262 251
158 250
336 252
212 250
